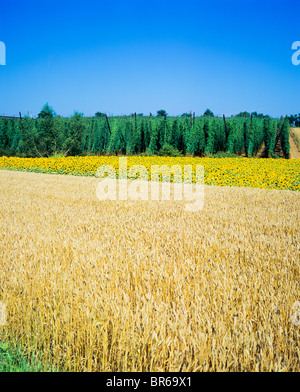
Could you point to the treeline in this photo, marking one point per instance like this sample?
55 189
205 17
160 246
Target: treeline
51 135
294 120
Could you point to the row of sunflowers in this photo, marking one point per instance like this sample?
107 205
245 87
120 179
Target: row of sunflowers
279 174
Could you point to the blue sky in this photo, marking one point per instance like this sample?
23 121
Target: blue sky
141 56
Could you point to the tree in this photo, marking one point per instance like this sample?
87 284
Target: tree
29 138
47 132
99 114
243 114
47 112
161 113
259 115
294 120
75 134
208 113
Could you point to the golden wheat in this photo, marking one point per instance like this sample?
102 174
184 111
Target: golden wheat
147 286
296 131
295 134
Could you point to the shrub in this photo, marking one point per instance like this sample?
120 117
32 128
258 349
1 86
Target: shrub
169 151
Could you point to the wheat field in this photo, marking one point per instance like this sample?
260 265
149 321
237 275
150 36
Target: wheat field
296 132
145 285
295 136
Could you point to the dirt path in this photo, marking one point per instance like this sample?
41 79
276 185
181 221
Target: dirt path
295 154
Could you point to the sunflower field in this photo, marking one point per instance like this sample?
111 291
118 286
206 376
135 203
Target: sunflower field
279 174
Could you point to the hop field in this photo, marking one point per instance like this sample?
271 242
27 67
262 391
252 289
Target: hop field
242 172
145 285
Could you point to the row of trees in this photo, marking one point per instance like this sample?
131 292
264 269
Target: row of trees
45 136
294 120
207 113
162 113
253 115
50 135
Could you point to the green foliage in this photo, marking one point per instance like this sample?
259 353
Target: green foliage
294 120
6 134
131 137
29 137
75 135
259 115
13 359
162 132
250 138
243 114
142 137
148 132
208 113
285 136
270 131
169 151
231 126
100 137
154 145
258 135
210 137
161 113
220 136
47 139
99 114
47 112
52 135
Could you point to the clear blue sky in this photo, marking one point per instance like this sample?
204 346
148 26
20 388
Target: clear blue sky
126 56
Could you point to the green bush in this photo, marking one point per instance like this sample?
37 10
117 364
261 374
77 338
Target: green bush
169 151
